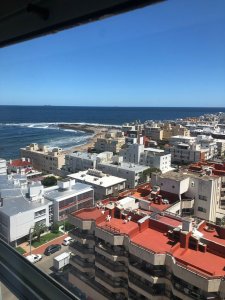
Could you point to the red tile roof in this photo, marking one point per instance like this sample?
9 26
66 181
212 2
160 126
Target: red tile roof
19 163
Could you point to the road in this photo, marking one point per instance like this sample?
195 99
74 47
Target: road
46 264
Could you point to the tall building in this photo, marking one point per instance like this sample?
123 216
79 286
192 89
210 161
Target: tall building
112 142
122 252
43 158
151 157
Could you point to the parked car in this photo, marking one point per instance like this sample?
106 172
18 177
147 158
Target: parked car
52 249
33 258
67 241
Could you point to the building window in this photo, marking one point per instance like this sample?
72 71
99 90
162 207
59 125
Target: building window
39 213
202 209
201 197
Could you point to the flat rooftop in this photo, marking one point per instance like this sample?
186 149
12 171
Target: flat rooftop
61 194
153 240
84 155
207 262
88 214
104 181
119 226
14 206
127 166
181 175
212 236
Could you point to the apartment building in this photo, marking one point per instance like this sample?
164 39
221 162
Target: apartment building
112 142
151 157
154 132
213 168
81 161
198 193
69 196
104 185
191 149
22 207
43 158
133 173
122 253
170 130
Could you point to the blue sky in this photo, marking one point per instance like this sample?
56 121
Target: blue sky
169 54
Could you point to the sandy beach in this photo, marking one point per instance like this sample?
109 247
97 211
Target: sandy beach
95 132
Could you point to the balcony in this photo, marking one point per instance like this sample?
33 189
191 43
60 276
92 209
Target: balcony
81 265
112 254
83 252
144 289
82 238
87 283
113 269
114 286
146 273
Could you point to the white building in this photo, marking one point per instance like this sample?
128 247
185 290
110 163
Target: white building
22 207
103 185
69 196
185 149
151 157
133 173
81 161
203 189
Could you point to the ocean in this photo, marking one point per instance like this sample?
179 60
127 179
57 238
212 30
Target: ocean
22 125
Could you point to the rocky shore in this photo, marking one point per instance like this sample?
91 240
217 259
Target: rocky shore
95 132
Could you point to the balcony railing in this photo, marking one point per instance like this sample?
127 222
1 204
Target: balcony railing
79 234
116 284
111 251
148 271
111 266
144 286
83 264
81 249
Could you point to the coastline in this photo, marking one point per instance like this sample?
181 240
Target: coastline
96 132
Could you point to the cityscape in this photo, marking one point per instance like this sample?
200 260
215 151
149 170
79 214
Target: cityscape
112 150
138 212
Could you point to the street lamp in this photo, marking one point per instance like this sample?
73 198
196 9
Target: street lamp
30 237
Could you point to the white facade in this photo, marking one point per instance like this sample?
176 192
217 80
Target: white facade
22 208
131 172
191 149
205 190
152 157
103 185
69 196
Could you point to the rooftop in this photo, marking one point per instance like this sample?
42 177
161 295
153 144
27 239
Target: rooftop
127 166
207 262
60 194
19 163
118 225
84 155
88 214
153 240
104 181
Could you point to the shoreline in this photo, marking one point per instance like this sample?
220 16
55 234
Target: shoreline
96 131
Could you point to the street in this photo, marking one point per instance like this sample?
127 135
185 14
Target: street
46 263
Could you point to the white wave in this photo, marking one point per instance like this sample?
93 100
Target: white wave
67 143
55 124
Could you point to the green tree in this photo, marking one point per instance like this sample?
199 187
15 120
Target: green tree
55 228
49 181
39 228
